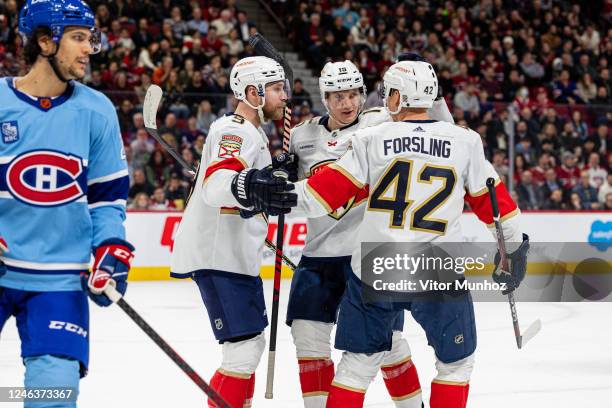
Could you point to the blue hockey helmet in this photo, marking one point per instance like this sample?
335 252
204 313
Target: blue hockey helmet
57 15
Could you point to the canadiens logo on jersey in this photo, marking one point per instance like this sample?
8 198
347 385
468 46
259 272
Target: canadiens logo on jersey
46 178
10 131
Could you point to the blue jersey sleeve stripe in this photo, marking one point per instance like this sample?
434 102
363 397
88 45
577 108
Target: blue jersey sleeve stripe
113 176
109 191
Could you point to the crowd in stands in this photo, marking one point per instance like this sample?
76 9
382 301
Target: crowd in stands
536 72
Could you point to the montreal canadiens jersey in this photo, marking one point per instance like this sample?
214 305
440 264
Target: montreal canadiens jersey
63 184
212 234
419 174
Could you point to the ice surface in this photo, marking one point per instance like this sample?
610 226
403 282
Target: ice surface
568 364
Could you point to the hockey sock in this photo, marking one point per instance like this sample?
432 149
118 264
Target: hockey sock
316 376
344 397
250 392
445 394
402 382
235 388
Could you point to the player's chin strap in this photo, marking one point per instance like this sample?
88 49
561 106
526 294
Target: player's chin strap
258 108
53 63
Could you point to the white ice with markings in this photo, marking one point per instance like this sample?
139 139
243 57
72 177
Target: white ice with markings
567 365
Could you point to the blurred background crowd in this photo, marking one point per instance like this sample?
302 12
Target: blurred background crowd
531 77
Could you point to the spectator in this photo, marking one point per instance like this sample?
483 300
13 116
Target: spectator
170 127
236 47
159 202
532 70
142 148
528 192
299 94
192 132
211 44
197 24
176 192
539 171
587 194
565 90
205 115
587 90
597 175
140 184
550 183
607 206
348 17
575 203
223 24
555 201
361 31
468 101
179 26
605 189
567 173
579 125
243 26
140 202
156 169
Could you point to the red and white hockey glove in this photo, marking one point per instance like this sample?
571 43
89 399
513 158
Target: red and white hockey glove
111 267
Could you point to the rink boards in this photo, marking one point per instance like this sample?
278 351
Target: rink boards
152 233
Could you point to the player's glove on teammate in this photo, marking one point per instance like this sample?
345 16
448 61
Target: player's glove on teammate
517 265
263 190
111 266
287 162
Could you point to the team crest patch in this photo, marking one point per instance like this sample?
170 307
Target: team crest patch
229 146
10 131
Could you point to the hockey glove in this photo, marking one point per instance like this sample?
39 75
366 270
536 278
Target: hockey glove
263 190
288 162
3 249
517 263
111 266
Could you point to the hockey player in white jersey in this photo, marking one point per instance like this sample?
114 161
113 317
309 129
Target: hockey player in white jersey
430 168
216 247
63 188
319 281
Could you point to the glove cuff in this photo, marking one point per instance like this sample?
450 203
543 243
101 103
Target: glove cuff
240 187
118 248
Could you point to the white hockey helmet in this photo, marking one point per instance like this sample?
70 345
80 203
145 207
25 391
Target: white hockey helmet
340 76
416 81
257 72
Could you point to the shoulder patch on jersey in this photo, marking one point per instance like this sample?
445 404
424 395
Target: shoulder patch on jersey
229 146
231 138
10 131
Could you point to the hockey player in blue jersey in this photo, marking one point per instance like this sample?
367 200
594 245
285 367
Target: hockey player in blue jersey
63 190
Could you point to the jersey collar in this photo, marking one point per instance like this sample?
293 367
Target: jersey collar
324 121
420 121
43 103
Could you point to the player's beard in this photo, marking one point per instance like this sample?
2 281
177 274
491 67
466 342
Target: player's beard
275 113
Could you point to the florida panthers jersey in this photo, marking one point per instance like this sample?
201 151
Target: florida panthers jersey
212 234
419 173
316 146
63 184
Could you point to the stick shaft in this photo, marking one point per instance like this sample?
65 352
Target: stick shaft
501 243
174 356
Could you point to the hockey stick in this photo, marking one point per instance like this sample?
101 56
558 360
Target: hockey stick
116 297
149 112
261 46
535 327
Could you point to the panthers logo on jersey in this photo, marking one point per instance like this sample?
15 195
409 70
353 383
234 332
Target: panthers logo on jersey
354 201
46 178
